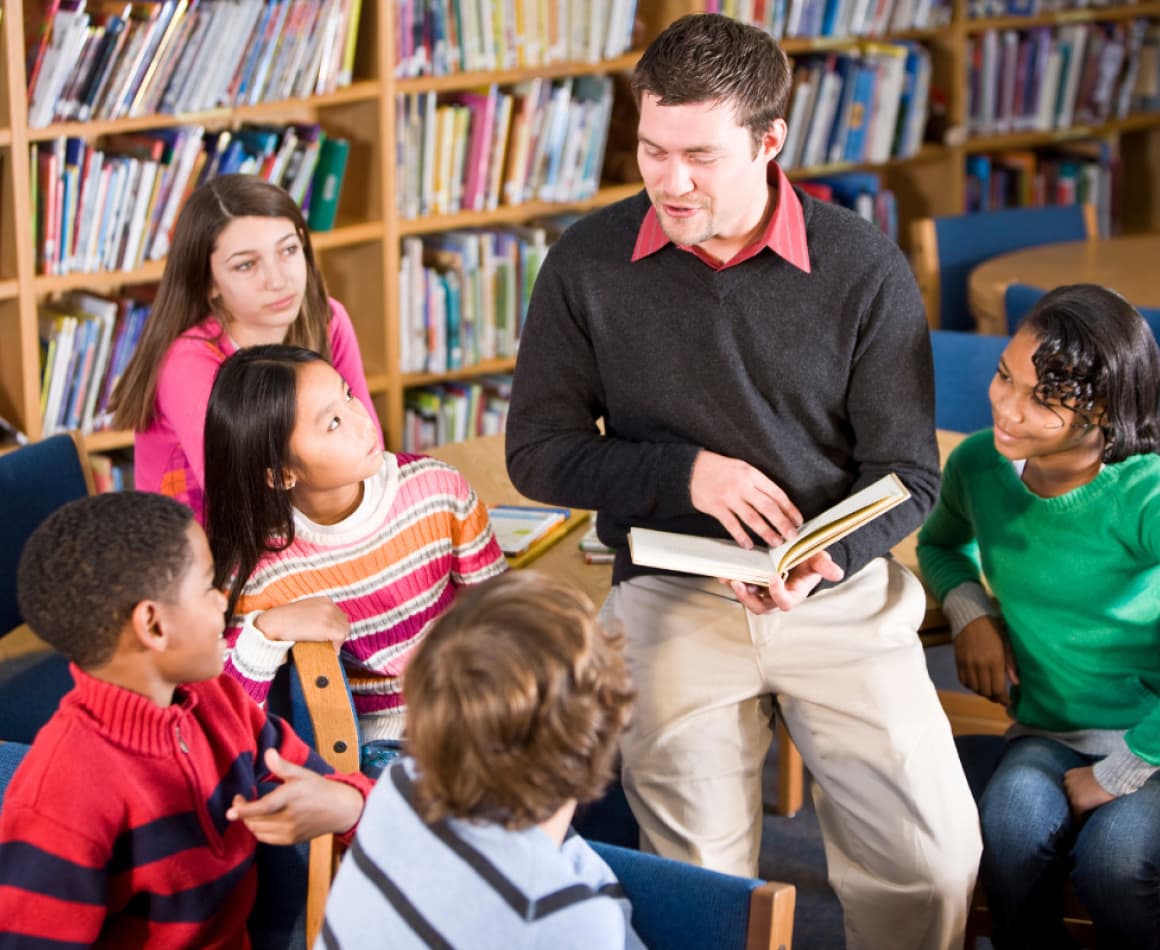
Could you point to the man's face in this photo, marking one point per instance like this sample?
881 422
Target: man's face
700 170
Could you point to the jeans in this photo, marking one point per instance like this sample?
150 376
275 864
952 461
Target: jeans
1032 842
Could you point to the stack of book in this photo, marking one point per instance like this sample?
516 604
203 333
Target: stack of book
437 37
595 551
791 18
1048 78
1078 173
472 151
524 532
463 296
181 56
455 411
869 106
86 342
112 205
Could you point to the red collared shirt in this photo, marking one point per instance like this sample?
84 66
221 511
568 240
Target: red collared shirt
785 234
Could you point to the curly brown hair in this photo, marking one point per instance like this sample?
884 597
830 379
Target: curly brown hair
516 700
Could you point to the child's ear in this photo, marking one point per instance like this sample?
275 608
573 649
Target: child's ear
288 480
148 630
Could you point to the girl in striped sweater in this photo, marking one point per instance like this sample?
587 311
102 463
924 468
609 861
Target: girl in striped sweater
321 535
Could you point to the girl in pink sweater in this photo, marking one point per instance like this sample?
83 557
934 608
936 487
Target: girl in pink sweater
241 251
318 534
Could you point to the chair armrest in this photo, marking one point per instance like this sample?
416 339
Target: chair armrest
328 704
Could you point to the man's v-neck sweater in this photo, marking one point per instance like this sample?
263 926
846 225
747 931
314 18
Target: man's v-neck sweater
821 380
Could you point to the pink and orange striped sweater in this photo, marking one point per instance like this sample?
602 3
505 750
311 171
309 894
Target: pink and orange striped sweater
392 567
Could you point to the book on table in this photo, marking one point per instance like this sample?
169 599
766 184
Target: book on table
712 557
519 528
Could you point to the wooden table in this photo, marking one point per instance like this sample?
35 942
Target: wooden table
1126 264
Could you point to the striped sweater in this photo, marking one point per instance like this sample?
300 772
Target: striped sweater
113 831
392 567
458 883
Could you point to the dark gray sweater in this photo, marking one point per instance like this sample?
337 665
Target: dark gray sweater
822 380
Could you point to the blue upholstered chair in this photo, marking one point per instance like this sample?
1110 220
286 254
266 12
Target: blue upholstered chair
945 250
35 480
681 906
964 365
1018 299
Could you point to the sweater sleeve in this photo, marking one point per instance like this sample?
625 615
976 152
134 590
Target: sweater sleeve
555 452
273 732
475 552
347 358
947 548
890 400
252 660
54 856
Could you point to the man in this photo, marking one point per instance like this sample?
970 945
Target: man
756 356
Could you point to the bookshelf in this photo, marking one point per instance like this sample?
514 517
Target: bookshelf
362 255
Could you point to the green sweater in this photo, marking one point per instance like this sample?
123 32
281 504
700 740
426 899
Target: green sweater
1077 579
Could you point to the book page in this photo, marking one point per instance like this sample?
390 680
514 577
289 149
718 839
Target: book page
835 523
691 554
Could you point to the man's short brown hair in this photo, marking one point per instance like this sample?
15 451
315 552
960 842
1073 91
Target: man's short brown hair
516 699
704 57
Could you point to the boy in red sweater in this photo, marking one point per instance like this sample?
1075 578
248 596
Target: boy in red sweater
135 816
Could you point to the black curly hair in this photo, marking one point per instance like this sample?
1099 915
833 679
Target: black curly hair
90 563
1099 358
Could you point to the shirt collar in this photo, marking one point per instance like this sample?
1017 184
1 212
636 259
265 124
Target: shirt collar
784 234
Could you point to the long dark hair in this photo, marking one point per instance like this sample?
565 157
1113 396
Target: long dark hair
1096 352
248 423
183 296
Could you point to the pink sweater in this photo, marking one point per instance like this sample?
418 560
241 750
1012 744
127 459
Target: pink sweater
168 456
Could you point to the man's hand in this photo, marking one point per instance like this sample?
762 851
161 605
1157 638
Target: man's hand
1083 791
787 594
738 495
315 618
984 661
304 806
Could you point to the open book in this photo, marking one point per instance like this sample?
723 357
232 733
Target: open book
711 557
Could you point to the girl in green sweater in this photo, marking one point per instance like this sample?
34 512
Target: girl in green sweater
1058 507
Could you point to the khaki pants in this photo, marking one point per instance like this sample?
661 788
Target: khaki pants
848 675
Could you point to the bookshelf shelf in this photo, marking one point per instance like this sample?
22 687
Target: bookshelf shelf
9 289
147 273
213 118
512 214
1018 140
457 82
927 153
108 440
5 138
1060 17
506 365
797 46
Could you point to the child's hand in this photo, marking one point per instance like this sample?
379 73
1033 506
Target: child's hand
315 618
982 659
787 594
1083 791
304 806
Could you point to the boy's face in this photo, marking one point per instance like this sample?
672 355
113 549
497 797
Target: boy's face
194 618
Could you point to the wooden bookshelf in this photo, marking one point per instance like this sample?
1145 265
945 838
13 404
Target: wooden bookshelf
361 255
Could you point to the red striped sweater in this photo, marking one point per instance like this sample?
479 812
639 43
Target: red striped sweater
113 830
392 567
